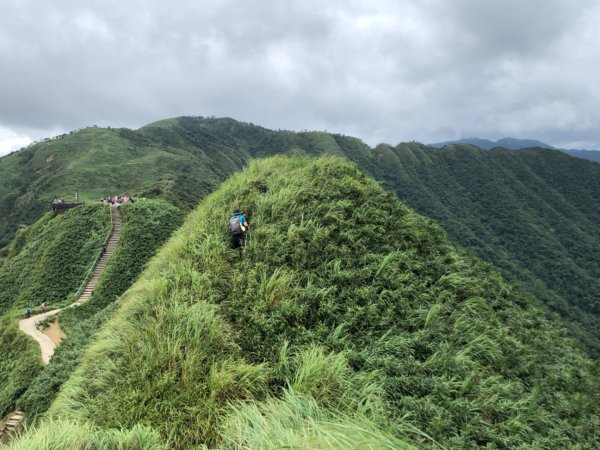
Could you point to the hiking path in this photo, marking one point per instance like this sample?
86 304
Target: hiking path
29 325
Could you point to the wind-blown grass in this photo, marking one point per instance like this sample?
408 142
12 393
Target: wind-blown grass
61 434
348 300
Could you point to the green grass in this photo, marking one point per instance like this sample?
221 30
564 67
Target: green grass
145 227
60 434
298 421
48 260
45 263
531 213
20 362
348 301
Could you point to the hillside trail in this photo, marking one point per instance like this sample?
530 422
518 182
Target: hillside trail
13 423
29 325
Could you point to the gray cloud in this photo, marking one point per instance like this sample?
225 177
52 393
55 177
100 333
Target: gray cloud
381 70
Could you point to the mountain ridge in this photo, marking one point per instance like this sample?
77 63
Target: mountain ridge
547 197
519 144
383 323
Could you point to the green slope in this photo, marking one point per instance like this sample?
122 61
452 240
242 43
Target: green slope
179 159
347 312
533 213
47 262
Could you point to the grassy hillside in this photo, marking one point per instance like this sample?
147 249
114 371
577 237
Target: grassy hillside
34 256
45 263
48 260
349 320
145 227
20 362
94 162
532 213
535 214
180 160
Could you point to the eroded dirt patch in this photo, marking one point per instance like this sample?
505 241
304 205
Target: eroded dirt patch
54 332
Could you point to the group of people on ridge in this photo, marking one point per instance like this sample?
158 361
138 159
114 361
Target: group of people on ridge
115 200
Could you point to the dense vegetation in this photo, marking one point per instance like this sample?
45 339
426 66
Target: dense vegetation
533 213
519 144
145 227
49 259
348 321
20 362
46 261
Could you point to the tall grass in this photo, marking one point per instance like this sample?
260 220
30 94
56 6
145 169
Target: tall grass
298 421
332 300
61 434
20 362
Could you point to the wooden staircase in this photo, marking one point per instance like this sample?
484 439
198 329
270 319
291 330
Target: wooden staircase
103 261
11 426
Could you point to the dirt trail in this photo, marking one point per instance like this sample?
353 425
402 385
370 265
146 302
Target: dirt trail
29 326
54 332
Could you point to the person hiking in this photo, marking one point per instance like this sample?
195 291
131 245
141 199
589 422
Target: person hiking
27 312
238 225
43 308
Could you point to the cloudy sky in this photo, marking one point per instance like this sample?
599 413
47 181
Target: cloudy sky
384 71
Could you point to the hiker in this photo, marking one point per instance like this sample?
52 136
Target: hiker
43 308
103 249
27 312
238 224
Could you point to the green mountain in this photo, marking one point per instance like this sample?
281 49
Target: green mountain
533 213
519 144
592 155
486 144
348 321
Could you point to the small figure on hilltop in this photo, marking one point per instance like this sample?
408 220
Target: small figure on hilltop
238 225
27 312
43 308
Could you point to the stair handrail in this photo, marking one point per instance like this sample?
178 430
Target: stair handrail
98 256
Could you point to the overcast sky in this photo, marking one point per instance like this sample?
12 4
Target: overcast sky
384 71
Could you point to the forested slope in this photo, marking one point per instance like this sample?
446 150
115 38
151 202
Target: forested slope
533 213
349 321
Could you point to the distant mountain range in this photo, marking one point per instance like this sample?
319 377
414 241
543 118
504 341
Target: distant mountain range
518 144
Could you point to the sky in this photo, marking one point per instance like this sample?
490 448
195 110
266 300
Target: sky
383 71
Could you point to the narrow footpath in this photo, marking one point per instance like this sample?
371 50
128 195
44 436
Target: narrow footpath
13 422
29 326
